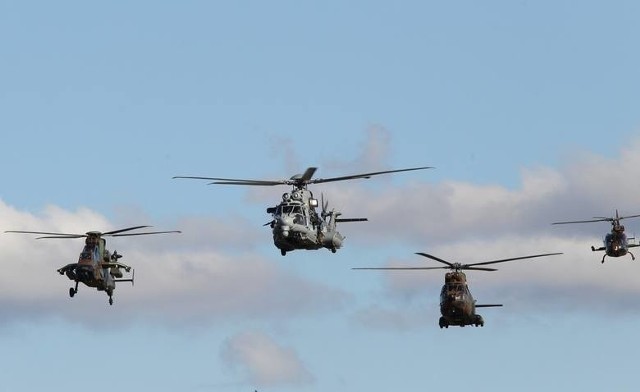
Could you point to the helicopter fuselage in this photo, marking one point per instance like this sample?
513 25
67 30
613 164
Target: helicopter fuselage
297 225
86 274
95 268
616 244
457 305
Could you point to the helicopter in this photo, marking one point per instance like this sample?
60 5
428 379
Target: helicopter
457 305
295 222
616 243
96 266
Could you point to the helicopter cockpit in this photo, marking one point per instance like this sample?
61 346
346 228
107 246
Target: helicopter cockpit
293 205
91 251
294 210
453 291
618 228
615 238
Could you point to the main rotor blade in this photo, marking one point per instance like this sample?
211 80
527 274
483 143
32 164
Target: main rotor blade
583 221
598 219
365 175
488 306
198 178
306 176
147 233
123 230
464 267
248 182
628 216
510 259
234 181
59 235
435 258
63 236
352 220
398 268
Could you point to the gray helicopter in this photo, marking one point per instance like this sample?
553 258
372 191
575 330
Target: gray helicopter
295 223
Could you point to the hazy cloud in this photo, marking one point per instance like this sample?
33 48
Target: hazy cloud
373 156
263 361
395 318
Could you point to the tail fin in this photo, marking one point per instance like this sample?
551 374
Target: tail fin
133 276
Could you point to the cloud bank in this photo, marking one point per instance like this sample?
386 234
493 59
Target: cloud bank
180 278
208 273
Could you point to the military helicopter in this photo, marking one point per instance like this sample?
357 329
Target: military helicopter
296 224
616 243
96 266
457 306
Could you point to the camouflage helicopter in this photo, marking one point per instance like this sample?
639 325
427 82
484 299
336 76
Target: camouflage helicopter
457 305
96 266
295 222
616 243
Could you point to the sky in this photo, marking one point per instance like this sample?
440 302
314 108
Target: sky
528 112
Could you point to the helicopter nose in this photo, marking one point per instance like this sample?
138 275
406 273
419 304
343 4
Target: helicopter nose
282 226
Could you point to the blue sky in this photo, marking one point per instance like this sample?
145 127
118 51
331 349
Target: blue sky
528 111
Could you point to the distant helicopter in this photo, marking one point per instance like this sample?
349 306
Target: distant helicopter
96 266
457 306
296 224
616 243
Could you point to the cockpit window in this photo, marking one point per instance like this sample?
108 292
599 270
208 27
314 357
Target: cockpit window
288 209
455 288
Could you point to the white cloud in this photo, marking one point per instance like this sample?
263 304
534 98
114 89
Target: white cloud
263 361
213 272
180 278
229 233
466 222
429 213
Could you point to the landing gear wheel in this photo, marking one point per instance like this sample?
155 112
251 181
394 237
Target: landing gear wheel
333 250
72 292
110 301
283 252
443 323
